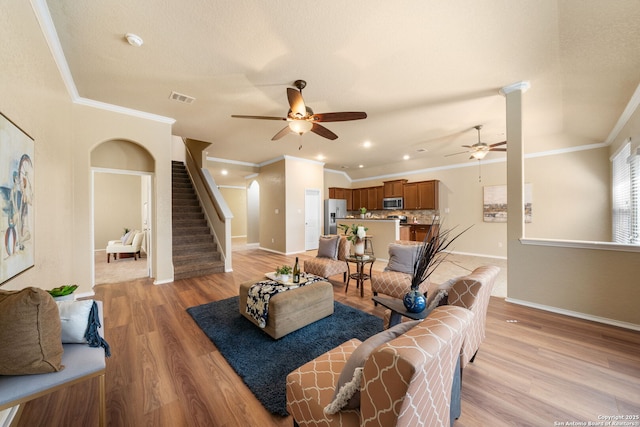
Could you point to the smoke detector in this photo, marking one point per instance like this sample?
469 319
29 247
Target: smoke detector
134 40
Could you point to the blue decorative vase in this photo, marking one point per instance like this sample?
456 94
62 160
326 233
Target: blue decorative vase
414 301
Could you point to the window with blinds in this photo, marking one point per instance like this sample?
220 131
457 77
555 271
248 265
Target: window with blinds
626 196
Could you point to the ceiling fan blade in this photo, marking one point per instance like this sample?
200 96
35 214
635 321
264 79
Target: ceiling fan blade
498 149
498 144
467 146
455 154
296 102
237 116
340 117
285 131
323 131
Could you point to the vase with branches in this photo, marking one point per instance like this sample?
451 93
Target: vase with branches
430 254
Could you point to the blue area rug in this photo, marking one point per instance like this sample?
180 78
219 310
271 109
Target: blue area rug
264 363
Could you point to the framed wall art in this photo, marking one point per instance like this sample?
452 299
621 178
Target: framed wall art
17 191
494 207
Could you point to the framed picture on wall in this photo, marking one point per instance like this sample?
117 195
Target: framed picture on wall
18 192
494 207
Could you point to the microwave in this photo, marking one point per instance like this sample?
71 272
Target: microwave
392 203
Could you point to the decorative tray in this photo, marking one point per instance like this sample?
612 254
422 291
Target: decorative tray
272 275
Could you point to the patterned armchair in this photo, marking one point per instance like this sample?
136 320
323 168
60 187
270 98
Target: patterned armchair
396 283
473 293
405 382
327 267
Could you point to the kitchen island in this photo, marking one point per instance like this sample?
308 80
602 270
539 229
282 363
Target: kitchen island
383 232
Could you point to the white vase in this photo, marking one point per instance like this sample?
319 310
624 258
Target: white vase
358 248
284 277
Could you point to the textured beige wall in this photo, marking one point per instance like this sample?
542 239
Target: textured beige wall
236 199
335 179
93 126
571 203
301 175
117 202
34 97
272 206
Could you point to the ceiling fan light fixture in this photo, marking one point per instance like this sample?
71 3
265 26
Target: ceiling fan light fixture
479 154
300 126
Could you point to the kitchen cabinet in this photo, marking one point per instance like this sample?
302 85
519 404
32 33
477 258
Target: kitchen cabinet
348 194
379 197
342 193
419 232
405 232
421 195
356 198
394 188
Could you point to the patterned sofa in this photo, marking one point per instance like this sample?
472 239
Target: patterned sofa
327 267
405 382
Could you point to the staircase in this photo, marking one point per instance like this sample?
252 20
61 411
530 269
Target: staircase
195 252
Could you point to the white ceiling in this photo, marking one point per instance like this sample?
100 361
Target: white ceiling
425 72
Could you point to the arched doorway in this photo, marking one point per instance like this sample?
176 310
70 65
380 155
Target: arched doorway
122 173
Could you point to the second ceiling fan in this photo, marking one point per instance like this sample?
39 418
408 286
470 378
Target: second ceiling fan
302 118
480 149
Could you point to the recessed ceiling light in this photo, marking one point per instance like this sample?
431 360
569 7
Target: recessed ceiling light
406 157
361 166
320 157
366 144
224 172
134 40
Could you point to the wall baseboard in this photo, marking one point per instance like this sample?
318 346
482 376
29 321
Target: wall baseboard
598 319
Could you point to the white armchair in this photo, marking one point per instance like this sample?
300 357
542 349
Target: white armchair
132 245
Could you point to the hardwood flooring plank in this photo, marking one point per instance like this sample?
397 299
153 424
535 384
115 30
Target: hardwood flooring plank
164 371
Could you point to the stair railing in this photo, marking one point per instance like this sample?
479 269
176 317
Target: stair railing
216 210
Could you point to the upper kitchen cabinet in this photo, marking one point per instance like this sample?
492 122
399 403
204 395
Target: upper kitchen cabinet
342 193
421 195
394 188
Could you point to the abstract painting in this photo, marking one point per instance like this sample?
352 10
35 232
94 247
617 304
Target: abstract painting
17 190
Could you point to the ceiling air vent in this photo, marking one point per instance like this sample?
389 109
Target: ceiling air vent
186 99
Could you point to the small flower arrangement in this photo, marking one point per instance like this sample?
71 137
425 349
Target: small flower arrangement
354 232
285 270
363 210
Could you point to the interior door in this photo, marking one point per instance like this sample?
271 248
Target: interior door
312 219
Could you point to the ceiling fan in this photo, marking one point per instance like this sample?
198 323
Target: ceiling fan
480 149
302 119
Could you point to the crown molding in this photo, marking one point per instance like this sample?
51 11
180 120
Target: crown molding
521 86
51 36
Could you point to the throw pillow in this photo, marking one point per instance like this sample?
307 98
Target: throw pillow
124 238
402 257
74 319
29 332
349 379
437 294
130 237
328 246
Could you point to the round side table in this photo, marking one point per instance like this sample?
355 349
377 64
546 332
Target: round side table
359 275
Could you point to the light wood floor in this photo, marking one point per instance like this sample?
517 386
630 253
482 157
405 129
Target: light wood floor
535 368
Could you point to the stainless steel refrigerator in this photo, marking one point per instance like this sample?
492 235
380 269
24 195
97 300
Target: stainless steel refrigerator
333 209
